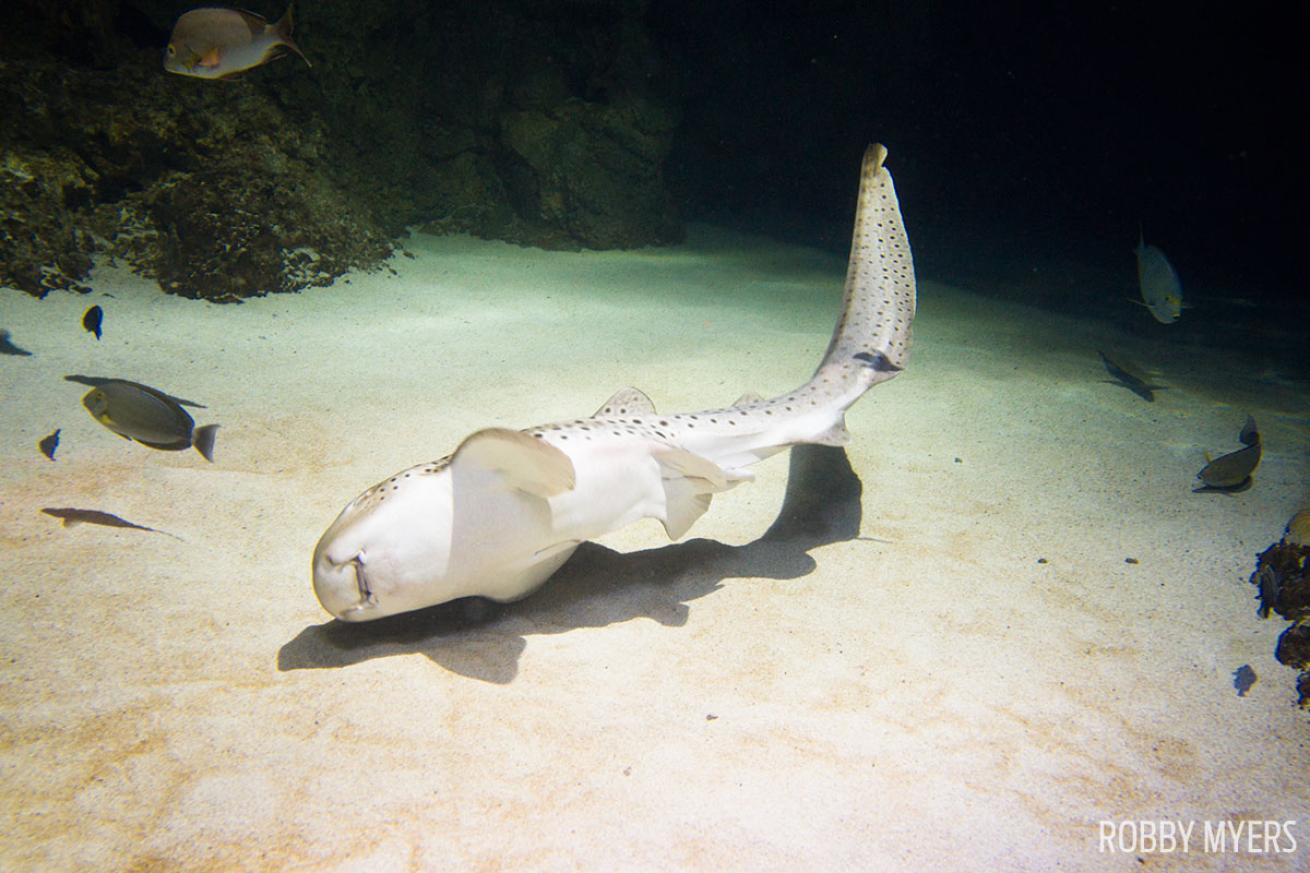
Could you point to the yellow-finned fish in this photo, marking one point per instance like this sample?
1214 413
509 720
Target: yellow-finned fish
213 42
1162 293
1232 472
148 416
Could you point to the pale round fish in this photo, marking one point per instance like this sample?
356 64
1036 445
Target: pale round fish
1298 529
1162 293
214 42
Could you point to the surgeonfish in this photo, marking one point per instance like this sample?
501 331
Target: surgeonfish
1162 293
1232 472
1128 378
213 42
92 320
148 416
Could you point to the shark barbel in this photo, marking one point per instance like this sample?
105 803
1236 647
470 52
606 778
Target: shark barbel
501 513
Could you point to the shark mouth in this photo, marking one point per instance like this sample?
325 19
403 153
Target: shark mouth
367 600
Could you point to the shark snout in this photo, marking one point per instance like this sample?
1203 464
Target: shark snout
341 581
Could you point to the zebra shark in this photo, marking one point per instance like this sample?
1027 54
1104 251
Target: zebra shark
499 515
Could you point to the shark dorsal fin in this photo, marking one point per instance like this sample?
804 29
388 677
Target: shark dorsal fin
527 463
748 398
626 401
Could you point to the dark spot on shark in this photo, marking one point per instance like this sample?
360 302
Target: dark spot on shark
878 361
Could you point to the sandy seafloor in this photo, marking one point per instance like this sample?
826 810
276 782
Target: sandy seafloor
926 695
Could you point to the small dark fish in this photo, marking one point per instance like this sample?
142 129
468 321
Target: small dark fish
148 416
1270 587
8 348
1128 379
97 381
92 319
1243 678
49 443
1231 473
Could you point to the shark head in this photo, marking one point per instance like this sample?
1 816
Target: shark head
477 522
389 549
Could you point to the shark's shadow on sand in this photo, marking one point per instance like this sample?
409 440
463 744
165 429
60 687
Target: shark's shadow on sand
598 586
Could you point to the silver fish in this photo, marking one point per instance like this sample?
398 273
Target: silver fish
1232 472
1162 293
214 42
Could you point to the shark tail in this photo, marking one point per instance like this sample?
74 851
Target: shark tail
871 342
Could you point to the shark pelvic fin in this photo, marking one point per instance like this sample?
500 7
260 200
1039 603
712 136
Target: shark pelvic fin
526 462
684 502
690 481
837 435
626 401
748 398
682 464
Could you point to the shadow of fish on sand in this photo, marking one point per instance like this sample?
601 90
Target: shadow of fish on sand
599 586
1127 376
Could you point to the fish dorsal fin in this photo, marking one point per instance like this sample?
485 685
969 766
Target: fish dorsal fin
258 24
1250 435
749 398
626 401
527 463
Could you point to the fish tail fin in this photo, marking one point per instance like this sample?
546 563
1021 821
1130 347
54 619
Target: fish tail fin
284 28
204 441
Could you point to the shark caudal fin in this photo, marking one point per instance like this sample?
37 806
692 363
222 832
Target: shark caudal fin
871 342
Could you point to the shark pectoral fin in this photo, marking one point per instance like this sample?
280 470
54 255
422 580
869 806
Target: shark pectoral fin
682 464
626 401
527 463
748 398
685 500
